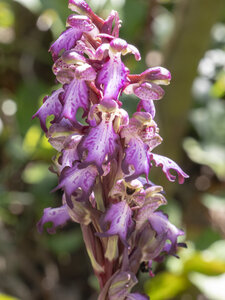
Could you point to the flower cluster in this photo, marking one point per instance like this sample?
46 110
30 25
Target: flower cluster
101 160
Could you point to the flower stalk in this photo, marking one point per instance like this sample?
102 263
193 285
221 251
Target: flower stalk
101 164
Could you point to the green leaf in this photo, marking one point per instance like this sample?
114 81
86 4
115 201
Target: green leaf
7 297
165 286
204 262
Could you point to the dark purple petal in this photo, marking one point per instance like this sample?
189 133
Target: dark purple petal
119 216
136 155
51 106
66 41
149 91
167 164
158 75
58 216
75 96
148 106
101 144
137 296
113 76
77 182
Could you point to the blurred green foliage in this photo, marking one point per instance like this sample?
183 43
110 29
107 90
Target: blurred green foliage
34 266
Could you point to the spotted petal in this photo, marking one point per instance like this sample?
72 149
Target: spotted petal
119 216
158 75
113 76
58 216
51 106
148 106
136 155
66 41
160 223
74 97
167 164
101 144
77 182
149 91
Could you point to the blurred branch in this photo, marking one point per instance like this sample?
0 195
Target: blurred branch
186 47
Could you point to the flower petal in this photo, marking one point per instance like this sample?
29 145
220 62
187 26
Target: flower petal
81 212
119 216
166 164
136 155
158 75
51 106
113 76
77 182
69 152
160 223
101 144
74 97
148 106
58 216
107 26
121 285
132 49
149 91
81 23
66 41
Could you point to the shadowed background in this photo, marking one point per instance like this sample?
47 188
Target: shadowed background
188 38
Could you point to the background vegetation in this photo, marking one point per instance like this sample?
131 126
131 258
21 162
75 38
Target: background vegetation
186 36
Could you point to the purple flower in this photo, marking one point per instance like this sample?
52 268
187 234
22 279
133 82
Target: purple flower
77 182
119 216
51 106
57 216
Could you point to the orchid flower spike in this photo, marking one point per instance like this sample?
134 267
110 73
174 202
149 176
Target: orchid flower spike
104 167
